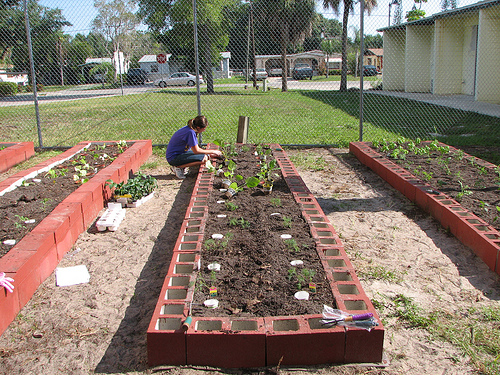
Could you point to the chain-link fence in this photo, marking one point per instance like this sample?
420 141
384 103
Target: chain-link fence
123 69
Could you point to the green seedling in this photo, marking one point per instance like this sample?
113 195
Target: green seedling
292 245
234 222
287 222
276 202
45 203
19 223
464 190
230 206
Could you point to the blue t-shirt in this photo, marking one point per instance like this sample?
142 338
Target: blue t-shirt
182 141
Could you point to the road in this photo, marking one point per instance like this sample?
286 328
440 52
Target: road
85 92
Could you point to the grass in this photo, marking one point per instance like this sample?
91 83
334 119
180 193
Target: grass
475 332
296 117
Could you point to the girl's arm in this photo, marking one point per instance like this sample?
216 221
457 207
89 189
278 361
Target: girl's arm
198 150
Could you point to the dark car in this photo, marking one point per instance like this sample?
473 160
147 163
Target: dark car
301 71
370 70
136 76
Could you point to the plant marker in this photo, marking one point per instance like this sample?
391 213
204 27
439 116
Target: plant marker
312 287
217 236
297 262
9 242
214 267
30 221
211 303
286 236
302 295
221 215
213 291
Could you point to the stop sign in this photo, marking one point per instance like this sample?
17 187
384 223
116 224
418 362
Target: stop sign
161 58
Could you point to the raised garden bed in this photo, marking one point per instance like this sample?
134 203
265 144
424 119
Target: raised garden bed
470 207
12 154
251 330
33 258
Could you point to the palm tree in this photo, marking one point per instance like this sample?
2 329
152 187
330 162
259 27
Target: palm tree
348 7
288 22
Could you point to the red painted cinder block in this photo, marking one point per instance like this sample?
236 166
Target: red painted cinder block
10 305
166 346
364 346
291 341
220 342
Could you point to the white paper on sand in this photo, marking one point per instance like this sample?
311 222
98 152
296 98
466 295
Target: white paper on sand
72 275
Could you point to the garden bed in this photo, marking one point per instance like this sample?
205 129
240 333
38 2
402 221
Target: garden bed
258 321
12 154
42 244
459 190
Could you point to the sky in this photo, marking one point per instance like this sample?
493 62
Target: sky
80 13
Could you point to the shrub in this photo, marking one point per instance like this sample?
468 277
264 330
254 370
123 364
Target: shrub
335 72
8 89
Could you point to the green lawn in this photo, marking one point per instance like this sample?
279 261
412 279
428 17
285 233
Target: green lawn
296 117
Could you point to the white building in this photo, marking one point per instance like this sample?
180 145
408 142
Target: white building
451 52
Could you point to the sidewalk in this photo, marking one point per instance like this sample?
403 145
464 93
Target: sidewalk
463 102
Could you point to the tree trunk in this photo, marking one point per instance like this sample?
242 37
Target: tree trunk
345 19
284 44
207 59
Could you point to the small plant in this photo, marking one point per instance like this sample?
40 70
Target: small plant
213 244
234 222
496 217
287 222
276 202
459 155
292 245
464 190
122 146
45 203
19 223
427 175
230 206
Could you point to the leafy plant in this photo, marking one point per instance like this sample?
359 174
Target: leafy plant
19 223
287 221
135 188
464 190
292 245
276 202
234 222
230 206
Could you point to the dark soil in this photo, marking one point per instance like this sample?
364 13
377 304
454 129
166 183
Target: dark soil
255 279
458 175
35 200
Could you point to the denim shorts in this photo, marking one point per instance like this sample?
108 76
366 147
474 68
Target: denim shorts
186 158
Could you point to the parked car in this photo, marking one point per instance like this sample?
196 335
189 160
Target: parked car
260 73
370 70
137 76
178 79
275 72
301 71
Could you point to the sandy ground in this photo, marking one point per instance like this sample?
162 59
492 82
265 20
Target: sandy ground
100 327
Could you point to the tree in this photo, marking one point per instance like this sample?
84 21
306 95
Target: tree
448 4
329 46
348 7
288 22
171 23
115 20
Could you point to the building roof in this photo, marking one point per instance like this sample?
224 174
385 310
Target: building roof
97 60
152 58
313 53
375 51
447 13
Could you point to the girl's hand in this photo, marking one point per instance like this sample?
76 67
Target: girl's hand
217 152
